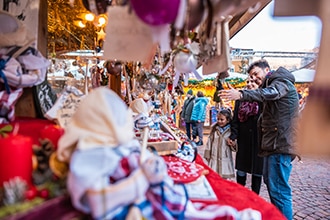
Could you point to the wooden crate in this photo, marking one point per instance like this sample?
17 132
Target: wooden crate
165 147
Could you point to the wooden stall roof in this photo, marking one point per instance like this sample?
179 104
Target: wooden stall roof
241 19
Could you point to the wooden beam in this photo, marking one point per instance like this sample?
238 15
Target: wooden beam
296 7
239 21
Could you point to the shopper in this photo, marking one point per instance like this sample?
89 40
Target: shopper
218 87
244 131
198 116
187 110
280 109
218 154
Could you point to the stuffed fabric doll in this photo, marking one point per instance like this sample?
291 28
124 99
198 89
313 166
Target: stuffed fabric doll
107 177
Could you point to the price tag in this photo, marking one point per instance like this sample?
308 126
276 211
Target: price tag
65 106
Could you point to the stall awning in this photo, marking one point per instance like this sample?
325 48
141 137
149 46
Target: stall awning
304 75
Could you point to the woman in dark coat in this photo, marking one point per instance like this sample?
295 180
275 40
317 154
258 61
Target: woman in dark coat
244 130
187 108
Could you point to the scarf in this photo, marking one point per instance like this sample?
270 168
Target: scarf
223 129
247 109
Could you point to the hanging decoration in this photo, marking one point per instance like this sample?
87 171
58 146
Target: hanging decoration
208 87
195 13
156 12
185 62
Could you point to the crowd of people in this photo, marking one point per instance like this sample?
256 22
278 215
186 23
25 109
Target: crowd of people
260 130
194 114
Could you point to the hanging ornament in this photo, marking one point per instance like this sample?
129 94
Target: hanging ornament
185 62
113 67
96 6
195 15
156 12
147 80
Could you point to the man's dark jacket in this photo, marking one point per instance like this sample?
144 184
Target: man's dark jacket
280 110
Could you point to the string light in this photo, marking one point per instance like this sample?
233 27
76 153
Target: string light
89 17
79 23
101 20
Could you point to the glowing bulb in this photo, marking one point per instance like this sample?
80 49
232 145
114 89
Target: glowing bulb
89 17
101 20
79 23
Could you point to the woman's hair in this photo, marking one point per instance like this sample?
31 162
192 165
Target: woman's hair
200 94
259 63
227 113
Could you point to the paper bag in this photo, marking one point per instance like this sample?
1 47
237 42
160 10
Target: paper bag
221 62
127 37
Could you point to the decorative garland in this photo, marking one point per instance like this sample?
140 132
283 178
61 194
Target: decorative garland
207 86
232 81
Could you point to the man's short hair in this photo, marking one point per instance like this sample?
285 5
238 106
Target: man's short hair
260 63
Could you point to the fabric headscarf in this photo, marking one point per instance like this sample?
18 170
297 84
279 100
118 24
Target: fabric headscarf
247 109
141 111
139 106
102 119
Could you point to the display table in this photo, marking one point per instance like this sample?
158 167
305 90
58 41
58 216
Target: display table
237 196
228 193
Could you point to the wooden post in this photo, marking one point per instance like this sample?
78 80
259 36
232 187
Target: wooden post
314 126
115 83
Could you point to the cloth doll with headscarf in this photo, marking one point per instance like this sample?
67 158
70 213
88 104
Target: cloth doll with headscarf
107 177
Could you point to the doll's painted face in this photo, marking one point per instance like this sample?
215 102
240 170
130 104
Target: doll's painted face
222 120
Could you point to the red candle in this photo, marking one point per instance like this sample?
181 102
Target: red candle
15 158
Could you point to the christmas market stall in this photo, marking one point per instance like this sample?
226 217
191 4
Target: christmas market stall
108 144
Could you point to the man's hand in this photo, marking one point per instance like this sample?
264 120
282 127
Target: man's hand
230 94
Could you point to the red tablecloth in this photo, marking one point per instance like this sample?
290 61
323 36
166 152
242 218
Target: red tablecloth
228 193
237 196
30 127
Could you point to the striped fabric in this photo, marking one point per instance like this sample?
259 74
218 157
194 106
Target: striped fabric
142 120
7 104
131 185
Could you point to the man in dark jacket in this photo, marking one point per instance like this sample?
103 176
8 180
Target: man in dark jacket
276 124
186 112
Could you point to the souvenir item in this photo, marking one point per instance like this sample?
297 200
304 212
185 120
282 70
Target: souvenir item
128 38
185 62
196 11
156 12
215 50
182 171
113 67
96 6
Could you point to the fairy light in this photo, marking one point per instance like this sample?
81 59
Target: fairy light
79 23
89 17
101 20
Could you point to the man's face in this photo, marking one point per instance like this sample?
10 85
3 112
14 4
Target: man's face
258 74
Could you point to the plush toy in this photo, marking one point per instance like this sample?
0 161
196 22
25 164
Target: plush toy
107 176
21 65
